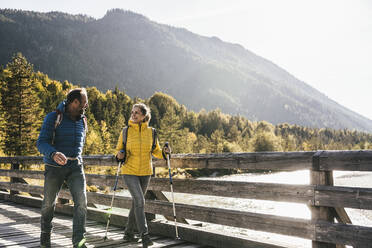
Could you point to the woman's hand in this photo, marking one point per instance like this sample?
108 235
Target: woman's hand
167 149
120 155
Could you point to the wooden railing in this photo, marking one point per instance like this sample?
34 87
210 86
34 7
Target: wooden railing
326 202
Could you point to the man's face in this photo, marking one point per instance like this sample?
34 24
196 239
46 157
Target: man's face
81 106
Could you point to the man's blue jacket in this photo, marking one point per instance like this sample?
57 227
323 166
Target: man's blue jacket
69 136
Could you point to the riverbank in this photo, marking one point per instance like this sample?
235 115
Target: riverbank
196 173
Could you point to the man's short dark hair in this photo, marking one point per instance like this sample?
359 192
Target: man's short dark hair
75 94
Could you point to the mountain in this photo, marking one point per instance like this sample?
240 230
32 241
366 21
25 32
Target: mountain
128 50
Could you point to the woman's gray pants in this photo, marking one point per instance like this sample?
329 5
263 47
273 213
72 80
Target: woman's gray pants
137 186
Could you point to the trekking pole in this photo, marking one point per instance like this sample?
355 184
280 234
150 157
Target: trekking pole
171 186
112 199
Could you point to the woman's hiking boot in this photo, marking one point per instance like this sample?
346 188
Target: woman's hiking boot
146 241
130 237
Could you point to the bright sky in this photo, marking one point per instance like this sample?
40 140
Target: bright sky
325 43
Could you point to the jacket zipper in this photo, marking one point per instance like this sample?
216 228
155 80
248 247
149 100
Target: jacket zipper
140 133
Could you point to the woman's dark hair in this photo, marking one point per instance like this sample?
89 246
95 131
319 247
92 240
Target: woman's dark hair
145 111
75 94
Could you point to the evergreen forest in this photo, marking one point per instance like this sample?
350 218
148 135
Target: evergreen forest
27 96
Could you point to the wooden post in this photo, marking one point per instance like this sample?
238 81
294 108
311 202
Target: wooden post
150 196
318 177
158 195
338 213
15 166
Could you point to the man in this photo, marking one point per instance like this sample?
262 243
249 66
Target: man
61 141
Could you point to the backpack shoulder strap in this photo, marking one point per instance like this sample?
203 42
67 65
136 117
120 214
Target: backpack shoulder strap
154 138
57 122
58 118
125 136
85 127
85 124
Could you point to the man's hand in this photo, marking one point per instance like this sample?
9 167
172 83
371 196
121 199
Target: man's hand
60 158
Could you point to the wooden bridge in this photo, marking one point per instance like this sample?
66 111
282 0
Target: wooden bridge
329 225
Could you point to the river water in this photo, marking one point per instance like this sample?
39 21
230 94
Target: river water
341 178
296 210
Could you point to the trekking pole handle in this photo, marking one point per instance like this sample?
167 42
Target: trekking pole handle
166 145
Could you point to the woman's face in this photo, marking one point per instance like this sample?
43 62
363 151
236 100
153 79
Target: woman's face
136 115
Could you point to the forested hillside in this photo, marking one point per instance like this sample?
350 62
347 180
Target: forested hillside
139 56
26 96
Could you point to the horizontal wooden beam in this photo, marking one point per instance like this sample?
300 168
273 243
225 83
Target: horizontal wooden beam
345 234
346 197
346 160
241 219
22 160
288 161
22 174
259 191
327 196
22 187
248 190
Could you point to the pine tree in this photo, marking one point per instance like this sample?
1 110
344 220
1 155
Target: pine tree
217 141
20 105
2 115
107 148
170 131
201 145
265 142
94 143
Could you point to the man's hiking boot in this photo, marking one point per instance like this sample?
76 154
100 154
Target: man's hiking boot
146 241
45 240
130 237
81 244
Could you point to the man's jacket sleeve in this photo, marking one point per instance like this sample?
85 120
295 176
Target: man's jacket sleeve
44 142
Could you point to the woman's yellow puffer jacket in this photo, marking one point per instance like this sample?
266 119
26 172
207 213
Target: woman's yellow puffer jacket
139 144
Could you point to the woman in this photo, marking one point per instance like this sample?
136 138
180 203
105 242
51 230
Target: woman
137 168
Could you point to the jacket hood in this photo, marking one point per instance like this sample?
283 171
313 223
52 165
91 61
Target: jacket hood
61 106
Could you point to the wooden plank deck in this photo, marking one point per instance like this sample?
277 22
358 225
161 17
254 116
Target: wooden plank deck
20 227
